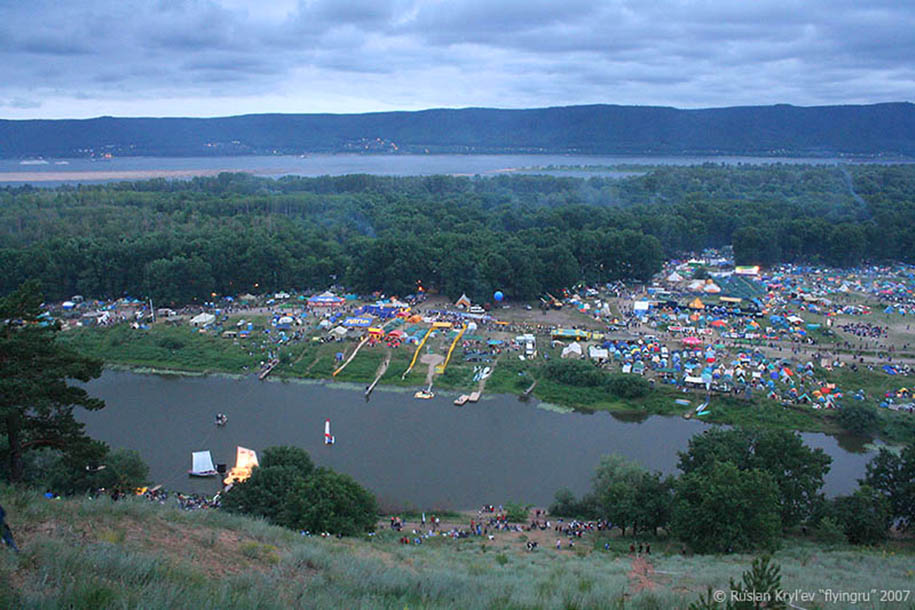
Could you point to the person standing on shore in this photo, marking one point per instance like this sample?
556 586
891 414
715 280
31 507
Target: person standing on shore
5 533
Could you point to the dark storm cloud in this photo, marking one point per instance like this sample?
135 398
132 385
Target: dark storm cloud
230 56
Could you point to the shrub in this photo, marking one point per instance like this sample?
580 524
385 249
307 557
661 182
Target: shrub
858 418
627 386
169 342
578 373
329 501
829 531
723 509
264 494
864 515
517 512
284 455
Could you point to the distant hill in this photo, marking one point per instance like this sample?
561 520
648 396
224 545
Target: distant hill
781 130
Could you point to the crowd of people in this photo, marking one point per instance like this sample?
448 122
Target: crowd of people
865 329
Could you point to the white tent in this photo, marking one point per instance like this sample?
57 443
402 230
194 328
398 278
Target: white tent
674 277
325 324
598 353
339 332
711 288
573 350
202 319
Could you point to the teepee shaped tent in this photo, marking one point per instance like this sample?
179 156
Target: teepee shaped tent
462 302
245 461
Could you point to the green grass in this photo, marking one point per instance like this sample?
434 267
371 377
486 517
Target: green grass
169 558
167 347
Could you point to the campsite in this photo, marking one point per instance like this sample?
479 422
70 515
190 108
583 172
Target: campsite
786 347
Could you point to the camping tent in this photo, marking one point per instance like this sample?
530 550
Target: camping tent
339 332
598 353
572 350
359 322
462 302
326 299
202 319
245 461
696 304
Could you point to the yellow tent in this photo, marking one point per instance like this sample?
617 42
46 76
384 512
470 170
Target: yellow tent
245 461
696 304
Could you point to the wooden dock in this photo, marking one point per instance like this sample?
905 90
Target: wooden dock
527 393
381 371
267 368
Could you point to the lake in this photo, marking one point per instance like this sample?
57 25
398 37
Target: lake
411 453
53 172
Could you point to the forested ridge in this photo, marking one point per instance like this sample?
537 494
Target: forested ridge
181 240
595 129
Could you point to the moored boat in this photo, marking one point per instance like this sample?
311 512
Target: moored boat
202 465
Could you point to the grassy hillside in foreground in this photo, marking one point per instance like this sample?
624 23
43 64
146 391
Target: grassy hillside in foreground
95 554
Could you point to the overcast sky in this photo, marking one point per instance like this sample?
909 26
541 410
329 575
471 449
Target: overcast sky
84 58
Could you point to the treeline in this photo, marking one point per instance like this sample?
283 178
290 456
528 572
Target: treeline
596 129
178 241
739 490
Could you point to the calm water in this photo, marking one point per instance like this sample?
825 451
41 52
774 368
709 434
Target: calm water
401 165
422 453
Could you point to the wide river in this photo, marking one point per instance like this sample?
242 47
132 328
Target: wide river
412 453
53 172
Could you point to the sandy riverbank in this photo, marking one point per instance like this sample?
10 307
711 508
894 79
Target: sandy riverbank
139 174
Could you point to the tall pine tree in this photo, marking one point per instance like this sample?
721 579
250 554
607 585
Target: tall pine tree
36 397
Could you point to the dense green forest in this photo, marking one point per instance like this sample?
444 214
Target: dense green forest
778 130
181 240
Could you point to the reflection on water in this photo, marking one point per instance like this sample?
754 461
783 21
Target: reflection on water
633 417
854 443
423 453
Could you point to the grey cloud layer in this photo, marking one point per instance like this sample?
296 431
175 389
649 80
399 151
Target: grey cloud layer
327 55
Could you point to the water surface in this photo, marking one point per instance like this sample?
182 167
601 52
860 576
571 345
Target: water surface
341 164
420 453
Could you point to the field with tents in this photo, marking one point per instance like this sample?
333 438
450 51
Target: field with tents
786 347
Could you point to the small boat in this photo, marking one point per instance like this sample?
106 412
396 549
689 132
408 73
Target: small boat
328 438
461 400
424 394
202 465
221 419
